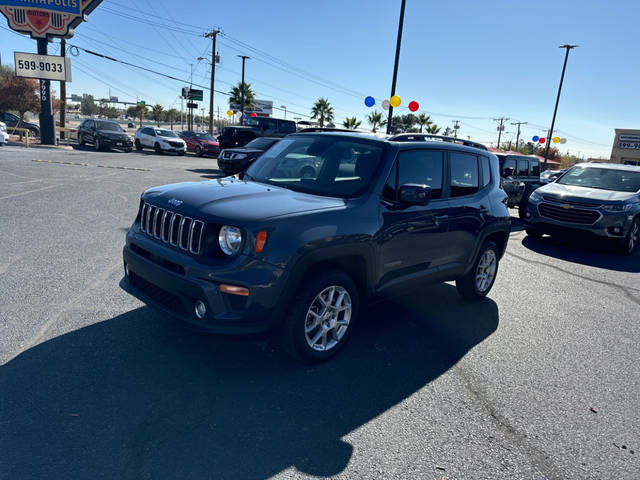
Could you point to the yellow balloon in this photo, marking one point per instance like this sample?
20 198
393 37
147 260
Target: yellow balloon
229 112
556 139
395 101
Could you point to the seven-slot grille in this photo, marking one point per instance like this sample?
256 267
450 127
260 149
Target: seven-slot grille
173 228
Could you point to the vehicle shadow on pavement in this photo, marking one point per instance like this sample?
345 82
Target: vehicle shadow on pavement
138 396
208 172
592 253
517 225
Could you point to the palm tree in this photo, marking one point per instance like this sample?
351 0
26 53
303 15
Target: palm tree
433 128
424 121
141 109
156 113
376 120
235 97
171 114
322 110
351 123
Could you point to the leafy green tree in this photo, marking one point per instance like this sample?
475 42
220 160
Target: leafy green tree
376 120
18 93
433 129
140 111
235 97
88 106
351 123
156 113
132 112
423 121
171 115
403 123
322 111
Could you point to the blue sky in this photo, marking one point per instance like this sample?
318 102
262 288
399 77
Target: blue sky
466 60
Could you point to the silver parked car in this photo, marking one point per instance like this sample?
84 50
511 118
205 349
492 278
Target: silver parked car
160 140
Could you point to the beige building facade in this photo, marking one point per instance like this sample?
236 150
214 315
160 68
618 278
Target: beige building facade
626 147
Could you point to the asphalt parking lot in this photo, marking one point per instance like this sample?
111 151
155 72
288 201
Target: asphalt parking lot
540 380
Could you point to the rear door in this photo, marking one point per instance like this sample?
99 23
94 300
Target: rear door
270 127
469 205
286 127
413 239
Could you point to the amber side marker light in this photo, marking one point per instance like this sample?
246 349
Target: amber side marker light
261 240
234 290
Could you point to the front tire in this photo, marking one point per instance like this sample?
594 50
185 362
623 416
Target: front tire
158 148
81 141
630 242
198 151
477 283
321 316
138 145
96 144
533 233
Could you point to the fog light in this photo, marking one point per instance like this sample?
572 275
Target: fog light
527 214
126 269
617 230
201 310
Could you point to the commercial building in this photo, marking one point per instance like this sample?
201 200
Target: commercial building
626 147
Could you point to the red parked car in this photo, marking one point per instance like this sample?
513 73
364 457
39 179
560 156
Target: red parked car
201 143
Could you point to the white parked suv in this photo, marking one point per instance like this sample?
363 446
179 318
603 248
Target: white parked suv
160 140
4 136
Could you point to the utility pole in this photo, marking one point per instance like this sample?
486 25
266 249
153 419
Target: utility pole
500 120
63 93
212 35
395 65
555 110
243 57
284 107
518 134
456 127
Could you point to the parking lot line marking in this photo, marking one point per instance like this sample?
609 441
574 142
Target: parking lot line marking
31 191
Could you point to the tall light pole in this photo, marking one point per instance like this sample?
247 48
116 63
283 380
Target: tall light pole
555 110
243 57
395 65
212 35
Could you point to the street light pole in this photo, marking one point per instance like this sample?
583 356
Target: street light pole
243 57
212 35
555 110
395 65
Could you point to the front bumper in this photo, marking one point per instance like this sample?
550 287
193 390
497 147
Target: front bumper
174 281
234 165
607 224
116 143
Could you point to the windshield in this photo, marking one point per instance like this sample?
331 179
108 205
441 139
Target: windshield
252 122
108 126
261 143
205 136
602 178
320 165
165 133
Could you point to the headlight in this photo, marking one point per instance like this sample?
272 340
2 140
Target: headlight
535 196
230 240
616 207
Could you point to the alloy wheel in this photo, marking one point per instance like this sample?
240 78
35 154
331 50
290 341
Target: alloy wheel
328 318
486 270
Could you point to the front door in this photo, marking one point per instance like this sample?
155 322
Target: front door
413 239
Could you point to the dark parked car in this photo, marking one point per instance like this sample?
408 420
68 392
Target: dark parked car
201 143
236 160
275 250
255 127
600 199
104 134
13 121
520 176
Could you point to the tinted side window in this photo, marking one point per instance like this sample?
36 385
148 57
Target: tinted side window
486 171
535 167
287 127
509 167
523 167
464 174
270 124
423 167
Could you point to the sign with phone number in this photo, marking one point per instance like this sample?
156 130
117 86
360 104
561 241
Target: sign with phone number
46 67
631 145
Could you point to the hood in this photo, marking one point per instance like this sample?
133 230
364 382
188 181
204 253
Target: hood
115 135
583 194
170 139
229 200
248 151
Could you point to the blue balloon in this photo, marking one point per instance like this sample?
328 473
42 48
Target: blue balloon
369 101
536 138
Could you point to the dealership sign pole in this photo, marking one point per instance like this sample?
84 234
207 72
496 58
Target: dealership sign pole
44 20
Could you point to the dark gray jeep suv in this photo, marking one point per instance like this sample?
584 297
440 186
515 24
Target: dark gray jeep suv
275 249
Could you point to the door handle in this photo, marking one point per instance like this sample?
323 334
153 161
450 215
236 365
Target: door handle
484 209
440 218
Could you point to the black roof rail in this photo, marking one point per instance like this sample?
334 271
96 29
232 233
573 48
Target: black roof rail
423 137
326 129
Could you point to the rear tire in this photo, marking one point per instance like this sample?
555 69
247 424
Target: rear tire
321 316
96 144
477 283
630 243
198 151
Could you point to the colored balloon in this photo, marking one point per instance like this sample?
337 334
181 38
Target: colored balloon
563 140
535 138
230 112
385 104
542 140
395 101
556 139
369 101
413 106
254 114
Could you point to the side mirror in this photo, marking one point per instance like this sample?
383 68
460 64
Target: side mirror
413 194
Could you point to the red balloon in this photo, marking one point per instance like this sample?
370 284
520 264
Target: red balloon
541 140
413 106
254 114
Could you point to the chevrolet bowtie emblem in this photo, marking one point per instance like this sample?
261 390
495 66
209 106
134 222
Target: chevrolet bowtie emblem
566 206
